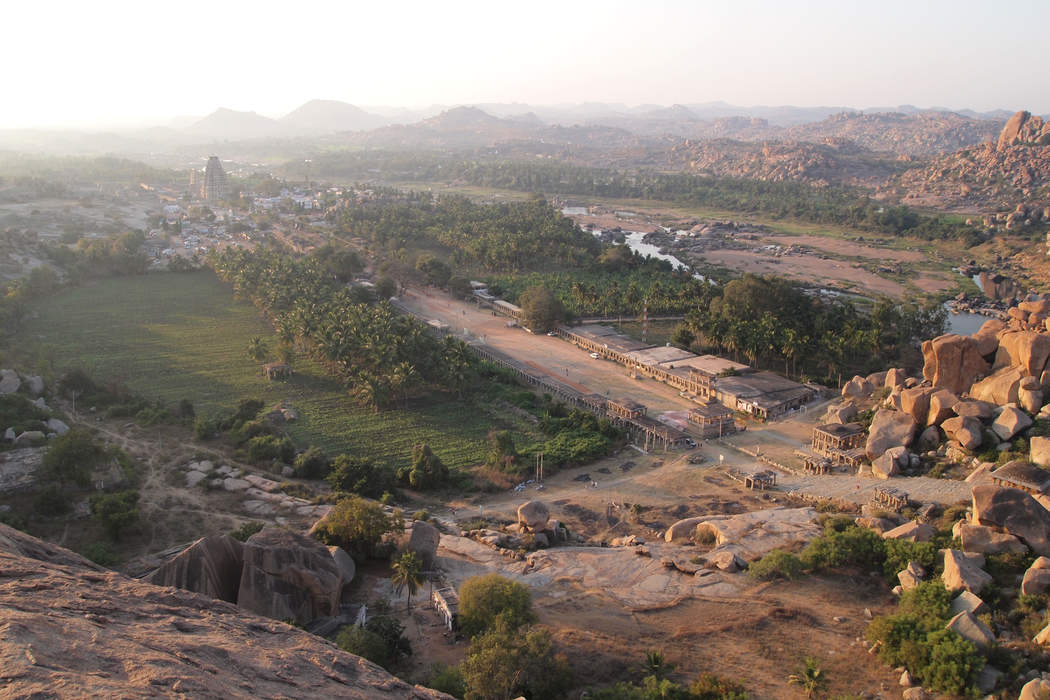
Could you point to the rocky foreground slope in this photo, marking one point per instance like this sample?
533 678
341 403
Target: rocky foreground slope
71 629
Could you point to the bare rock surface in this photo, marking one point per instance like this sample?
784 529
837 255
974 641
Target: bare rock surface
1025 350
968 602
72 630
1015 512
913 531
1037 578
421 538
210 566
971 629
986 540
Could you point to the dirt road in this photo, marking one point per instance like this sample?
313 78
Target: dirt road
550 356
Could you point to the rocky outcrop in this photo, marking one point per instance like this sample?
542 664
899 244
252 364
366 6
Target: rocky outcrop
889 429
72 630
1030 394
895 378
842 413
1039 451
967 602
534 515
981 410
1015 512
916 403
858 387
890 462
952 362
912 531
210 566
912 576
287 576
942 403
987 337
1022 128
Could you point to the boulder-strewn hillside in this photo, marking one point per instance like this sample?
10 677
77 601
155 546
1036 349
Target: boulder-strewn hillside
922 134
70 629
835 161
1006 171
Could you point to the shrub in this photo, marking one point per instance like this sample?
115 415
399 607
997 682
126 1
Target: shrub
265 448
776 564
116 511
312 464
900 552
708 686
102 553
246 530
484 600
421 515
447 679
72 457
504 663
852 546
364 643
427 471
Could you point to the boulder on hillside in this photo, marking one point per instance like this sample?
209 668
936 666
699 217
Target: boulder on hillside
683 529
879 525
877 379
971 629
889 429
1000 388
952 362
1030 394
912 531
534 515
981 410
942 403
889 463
987 337
928 439
1015 512
1025 350
422 538
968 432
1037 688
287 576
725 560
34 384
962 572
967 602
210 566
895 378
9 381
916 403
912 576
987 540
1040 451
344 563
1010 422
858 387
1036 579
842 413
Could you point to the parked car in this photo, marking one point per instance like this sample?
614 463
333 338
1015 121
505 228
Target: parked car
596 356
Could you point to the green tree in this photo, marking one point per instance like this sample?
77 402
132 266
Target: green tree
72 457
357 526
357 475
312 464
484 600
407 575
542 309
427 471
386 287
501 454
502 664
116 511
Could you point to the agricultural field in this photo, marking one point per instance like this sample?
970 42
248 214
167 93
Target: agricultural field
172 336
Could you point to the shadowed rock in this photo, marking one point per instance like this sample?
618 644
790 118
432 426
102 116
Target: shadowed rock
210 566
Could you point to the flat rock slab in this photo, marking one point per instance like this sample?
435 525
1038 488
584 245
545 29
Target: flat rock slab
231 484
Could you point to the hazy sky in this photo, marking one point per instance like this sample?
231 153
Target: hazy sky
117 62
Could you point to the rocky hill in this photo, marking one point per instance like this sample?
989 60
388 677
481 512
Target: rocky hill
837 161
921 134
1009 170
71 629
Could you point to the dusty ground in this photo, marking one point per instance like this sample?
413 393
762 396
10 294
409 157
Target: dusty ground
551 356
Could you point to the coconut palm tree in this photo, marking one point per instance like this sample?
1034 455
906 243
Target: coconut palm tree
810 678
407 574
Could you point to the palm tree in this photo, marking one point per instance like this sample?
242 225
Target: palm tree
407 573
810 678
656 664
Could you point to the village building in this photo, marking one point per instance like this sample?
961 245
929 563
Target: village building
713 419
1024 476
840 443
446 602
625 408
605 341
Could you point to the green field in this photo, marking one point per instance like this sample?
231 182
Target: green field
172 336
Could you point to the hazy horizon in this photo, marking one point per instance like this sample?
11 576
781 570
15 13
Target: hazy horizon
117 63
